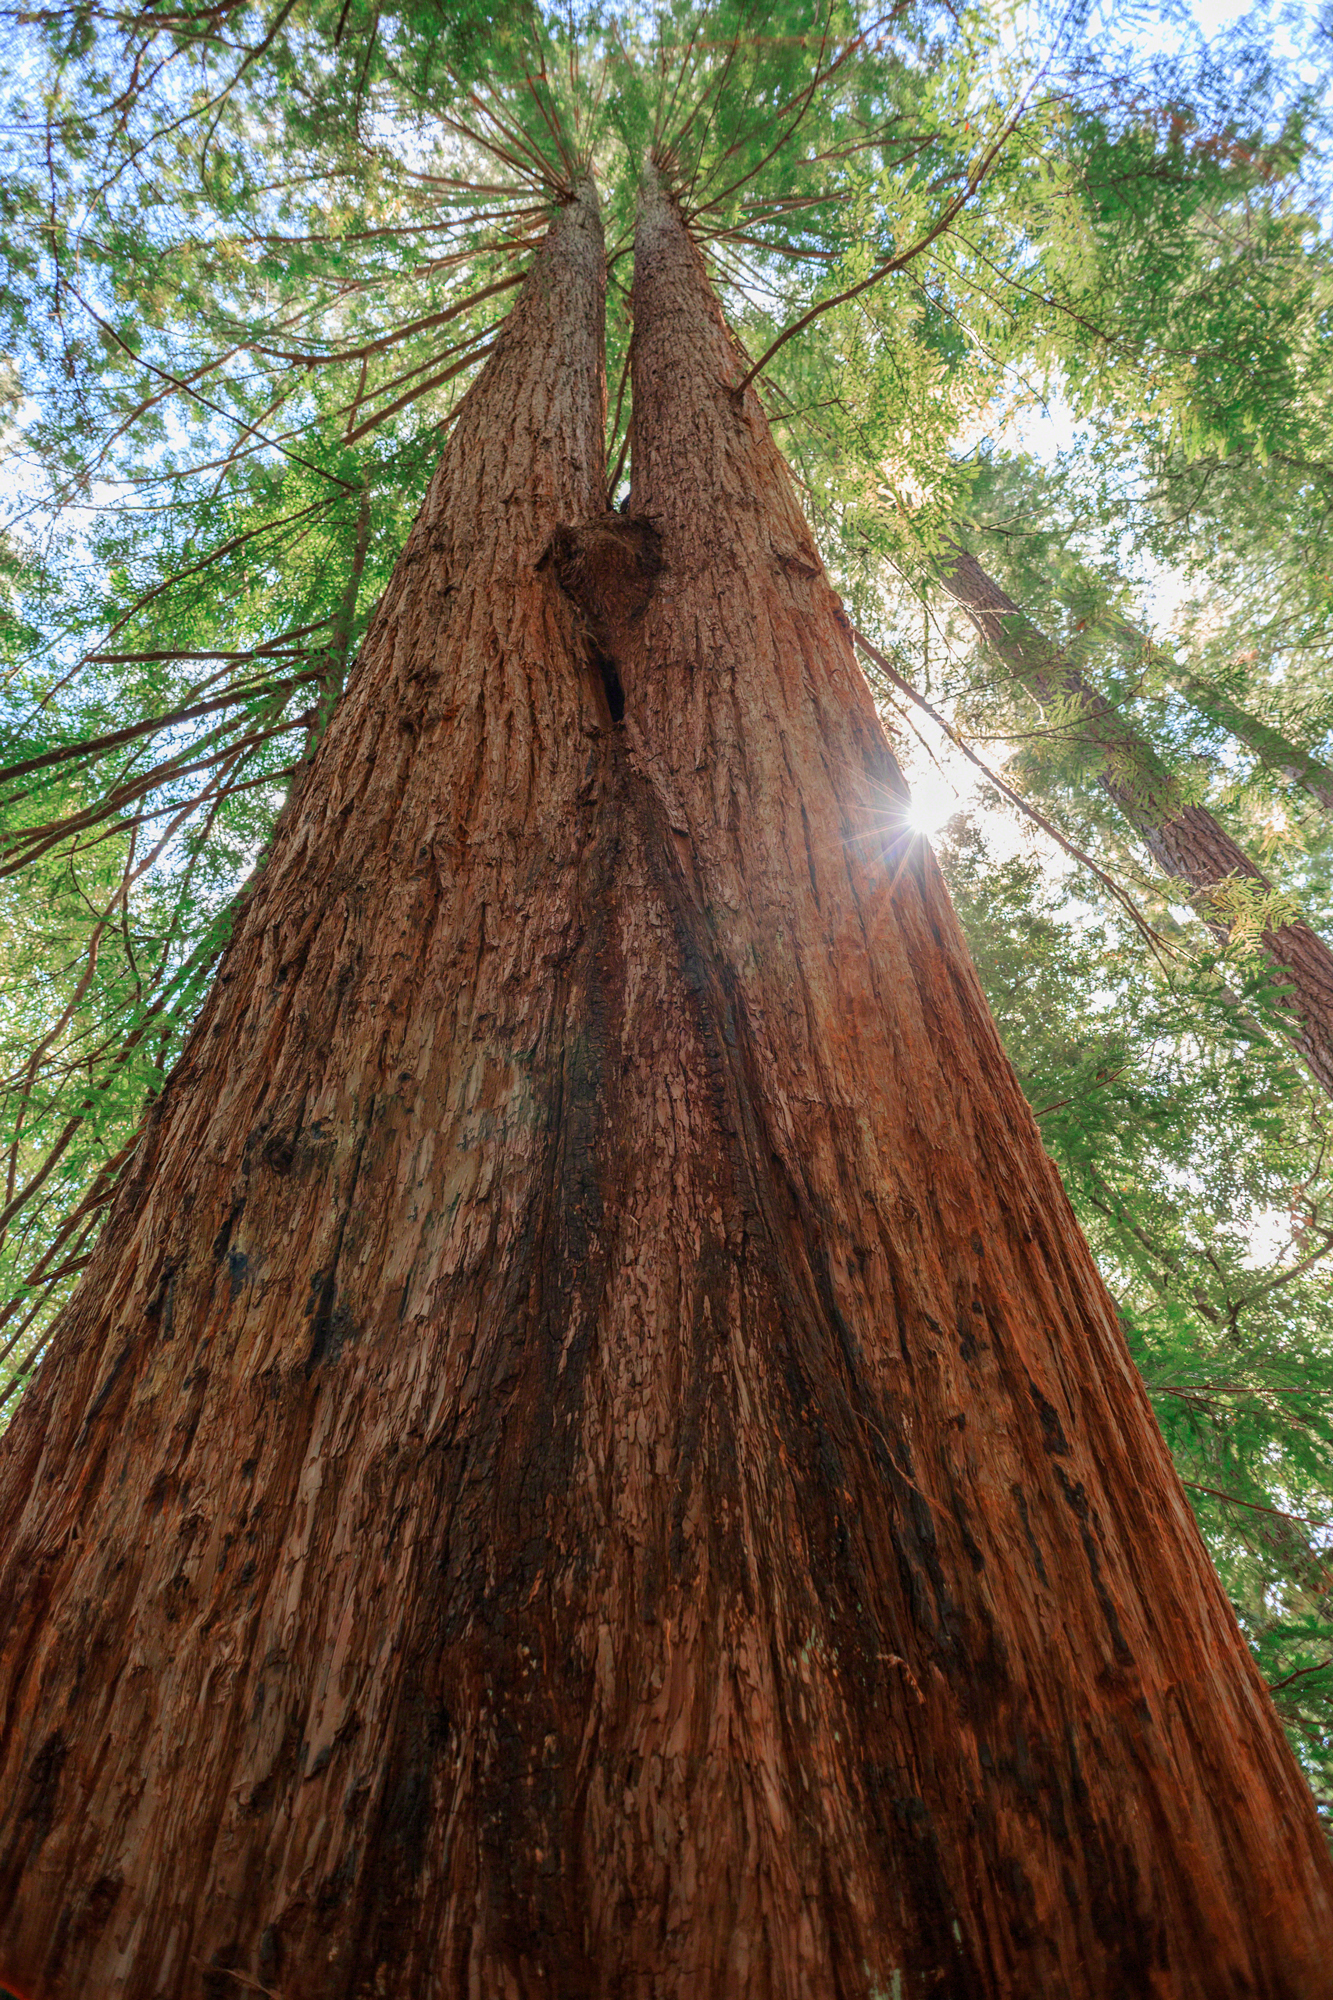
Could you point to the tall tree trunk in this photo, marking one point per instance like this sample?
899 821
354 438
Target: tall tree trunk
1184 840
936 1727
593 1460
1276 752
291 1439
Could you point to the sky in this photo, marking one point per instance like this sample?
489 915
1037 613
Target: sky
942 781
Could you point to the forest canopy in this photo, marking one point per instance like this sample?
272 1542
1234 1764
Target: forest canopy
1048 288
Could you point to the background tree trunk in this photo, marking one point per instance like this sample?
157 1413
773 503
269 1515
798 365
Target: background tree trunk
1276 752
1184 840
593 1460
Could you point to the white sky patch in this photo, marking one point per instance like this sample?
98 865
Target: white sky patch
1269 1231
1042 430
944 783
936 798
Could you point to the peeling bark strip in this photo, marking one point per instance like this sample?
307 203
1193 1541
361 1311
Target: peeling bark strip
1185 841
615 1477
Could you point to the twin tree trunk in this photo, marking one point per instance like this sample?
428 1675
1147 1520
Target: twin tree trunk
592 1459
1185 841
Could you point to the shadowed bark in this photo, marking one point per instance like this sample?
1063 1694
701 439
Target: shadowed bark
1184 840
593 1462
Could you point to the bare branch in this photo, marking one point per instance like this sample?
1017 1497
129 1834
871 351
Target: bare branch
905 257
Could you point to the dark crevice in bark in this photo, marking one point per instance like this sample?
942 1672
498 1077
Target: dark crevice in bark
607 567
611 687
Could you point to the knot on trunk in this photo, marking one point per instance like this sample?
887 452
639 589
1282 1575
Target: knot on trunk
608 566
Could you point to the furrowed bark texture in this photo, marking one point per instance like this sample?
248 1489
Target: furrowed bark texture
1185 841
274 1510
593 1463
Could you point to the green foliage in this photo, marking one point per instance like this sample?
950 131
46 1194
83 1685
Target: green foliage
254 254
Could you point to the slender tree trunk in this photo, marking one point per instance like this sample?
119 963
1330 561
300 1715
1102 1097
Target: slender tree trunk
593 1460
1184 840
1276 752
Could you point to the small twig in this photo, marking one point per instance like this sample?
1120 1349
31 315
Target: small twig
1285 1277
1233 1500
1222 1389
1099 1083
1287 1679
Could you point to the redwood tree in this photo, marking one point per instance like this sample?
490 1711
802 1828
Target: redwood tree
1184 839
592 1457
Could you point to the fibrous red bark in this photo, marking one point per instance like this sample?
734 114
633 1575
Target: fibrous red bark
593 1460
1185 841
257 1489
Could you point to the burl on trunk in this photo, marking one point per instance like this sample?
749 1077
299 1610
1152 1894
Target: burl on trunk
593 1460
